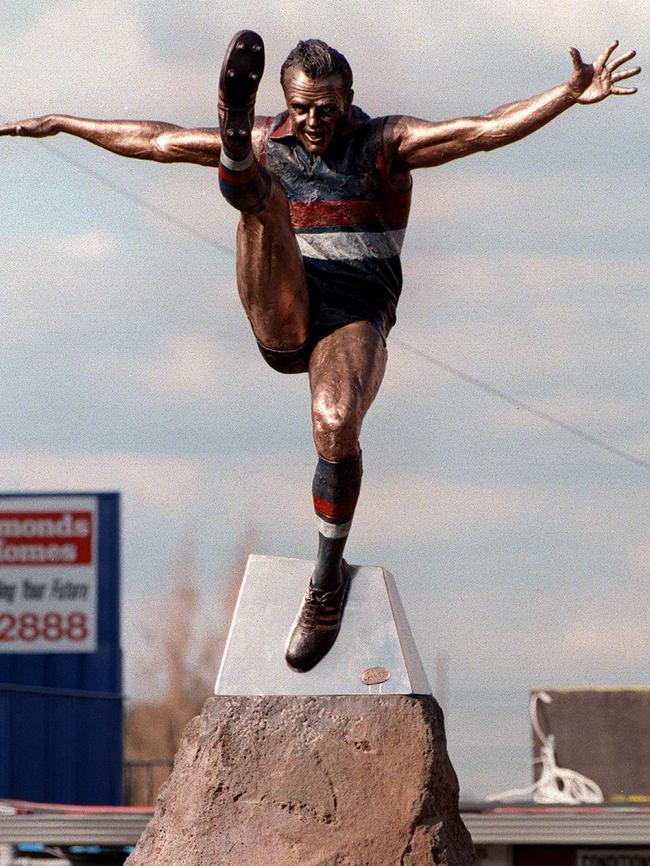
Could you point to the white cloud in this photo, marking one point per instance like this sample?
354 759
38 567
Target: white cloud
192 194
639 445
192 365
159 481
587 409
94 246
639 558
488 350
80 57
552 23
423 506
598 631
572 209
568 321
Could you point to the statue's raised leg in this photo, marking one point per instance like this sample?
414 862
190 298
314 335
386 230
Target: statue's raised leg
270 273
243 182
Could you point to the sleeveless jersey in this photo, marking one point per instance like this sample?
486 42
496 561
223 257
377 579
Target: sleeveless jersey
348 221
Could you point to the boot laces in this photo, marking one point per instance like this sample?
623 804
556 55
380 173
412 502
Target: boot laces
318 603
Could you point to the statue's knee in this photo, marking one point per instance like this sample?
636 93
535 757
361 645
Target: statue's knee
335 430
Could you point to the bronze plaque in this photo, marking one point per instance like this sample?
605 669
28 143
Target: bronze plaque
375 676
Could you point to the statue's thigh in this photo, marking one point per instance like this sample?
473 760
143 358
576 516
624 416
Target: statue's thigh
345 372
271 276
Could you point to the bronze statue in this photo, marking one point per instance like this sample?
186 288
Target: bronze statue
324 195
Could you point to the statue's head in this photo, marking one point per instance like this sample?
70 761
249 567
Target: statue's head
317 85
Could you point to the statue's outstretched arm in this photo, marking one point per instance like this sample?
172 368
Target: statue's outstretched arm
141 139
417 143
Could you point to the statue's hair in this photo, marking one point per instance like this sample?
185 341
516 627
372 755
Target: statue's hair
318 60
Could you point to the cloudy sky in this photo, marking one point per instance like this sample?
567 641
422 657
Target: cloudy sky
522 550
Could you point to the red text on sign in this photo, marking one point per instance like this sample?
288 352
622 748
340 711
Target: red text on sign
46 538
51 626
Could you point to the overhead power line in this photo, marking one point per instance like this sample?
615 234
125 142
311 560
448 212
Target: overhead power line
139 200
415 350
520 404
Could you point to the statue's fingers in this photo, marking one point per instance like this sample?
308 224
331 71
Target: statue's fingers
627 73
576 58
607 53
621 60
623 91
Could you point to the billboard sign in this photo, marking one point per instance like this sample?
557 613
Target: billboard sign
48 574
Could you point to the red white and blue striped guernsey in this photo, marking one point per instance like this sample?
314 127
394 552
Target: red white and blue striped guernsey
348 221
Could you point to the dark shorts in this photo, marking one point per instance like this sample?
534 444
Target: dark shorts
325 318
297 360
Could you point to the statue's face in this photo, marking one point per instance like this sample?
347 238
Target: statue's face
317 108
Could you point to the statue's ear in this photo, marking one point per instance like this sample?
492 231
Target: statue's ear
350 98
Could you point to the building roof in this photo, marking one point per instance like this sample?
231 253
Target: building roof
488 823
530 824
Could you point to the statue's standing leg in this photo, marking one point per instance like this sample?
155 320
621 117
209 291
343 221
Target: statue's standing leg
345 371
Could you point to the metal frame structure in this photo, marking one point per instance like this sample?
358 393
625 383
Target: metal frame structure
512 825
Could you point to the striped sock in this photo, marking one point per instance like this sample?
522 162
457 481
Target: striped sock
336 490
243 182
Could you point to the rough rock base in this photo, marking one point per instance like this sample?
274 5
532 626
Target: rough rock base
310 781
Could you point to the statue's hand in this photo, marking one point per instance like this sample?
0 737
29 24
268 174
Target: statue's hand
592 82
35 127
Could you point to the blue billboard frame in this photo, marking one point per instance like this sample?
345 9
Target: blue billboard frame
61 713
